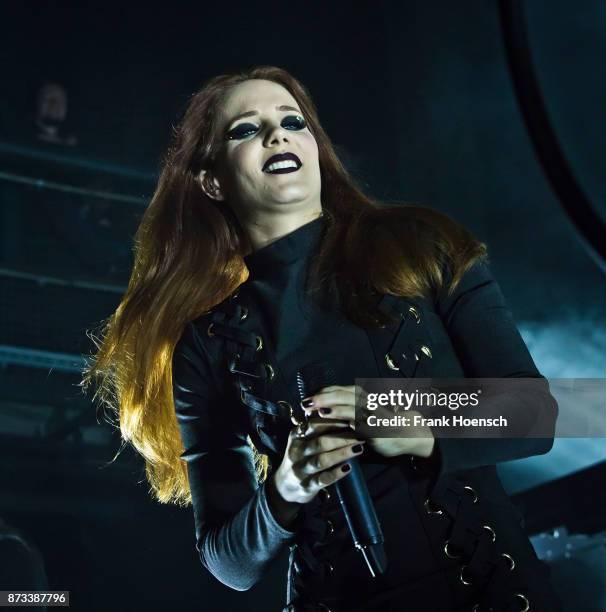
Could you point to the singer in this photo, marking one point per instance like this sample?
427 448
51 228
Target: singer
257 255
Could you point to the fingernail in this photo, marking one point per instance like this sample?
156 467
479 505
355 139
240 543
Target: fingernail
357 448
325 410
346 468
307 403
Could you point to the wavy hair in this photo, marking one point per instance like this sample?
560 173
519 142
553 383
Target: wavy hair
188 257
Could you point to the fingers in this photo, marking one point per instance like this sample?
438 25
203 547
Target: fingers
320 480
326 443
320 462
317 427
335 402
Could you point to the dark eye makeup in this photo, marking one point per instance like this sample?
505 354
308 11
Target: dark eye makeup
244 129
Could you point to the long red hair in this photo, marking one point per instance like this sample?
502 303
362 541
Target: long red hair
188 256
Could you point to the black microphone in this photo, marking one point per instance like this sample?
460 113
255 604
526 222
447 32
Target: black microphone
352 491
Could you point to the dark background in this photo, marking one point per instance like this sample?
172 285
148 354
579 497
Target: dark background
417 98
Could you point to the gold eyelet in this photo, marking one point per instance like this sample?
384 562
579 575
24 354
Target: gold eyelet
450 555
491 530
426 350
512 562
390 363
270 371
461 576
209 332
286 405
415 314
524 601
429 510
244 313
259 343
473 492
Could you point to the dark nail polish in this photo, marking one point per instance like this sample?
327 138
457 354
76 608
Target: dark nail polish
357 448
307 403
346 468
325 410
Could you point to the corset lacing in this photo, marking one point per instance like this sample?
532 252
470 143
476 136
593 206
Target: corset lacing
473 543
483 564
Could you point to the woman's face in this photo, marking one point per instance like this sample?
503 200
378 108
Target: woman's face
274 125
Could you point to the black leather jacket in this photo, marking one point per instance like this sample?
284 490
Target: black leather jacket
453 538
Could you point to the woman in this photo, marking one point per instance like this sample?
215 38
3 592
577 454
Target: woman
249 266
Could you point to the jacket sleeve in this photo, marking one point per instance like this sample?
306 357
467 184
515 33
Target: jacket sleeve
237 536
489 345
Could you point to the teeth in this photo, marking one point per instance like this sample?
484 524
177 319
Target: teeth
289 163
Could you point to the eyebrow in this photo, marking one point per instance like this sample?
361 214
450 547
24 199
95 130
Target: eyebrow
283 107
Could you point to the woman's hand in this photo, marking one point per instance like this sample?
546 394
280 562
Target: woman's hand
337 403
314 461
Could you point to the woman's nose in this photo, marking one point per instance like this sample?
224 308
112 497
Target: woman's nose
277 133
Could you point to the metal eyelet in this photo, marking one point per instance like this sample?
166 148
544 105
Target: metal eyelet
465 582
330 567
430 510
285 405
331 527
208 330
524 601
390 362
234 295
415 313
491 530
448 554
473 492
270 371
244 313
426 351
259 343
512 563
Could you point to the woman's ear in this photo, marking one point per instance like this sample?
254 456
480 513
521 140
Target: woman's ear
210 185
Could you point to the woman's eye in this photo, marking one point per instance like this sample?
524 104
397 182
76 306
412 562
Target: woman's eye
298 122
241 131
244 129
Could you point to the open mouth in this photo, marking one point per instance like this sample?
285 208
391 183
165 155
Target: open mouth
283 163
278 169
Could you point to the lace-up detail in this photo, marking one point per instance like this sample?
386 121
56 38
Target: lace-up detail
474 544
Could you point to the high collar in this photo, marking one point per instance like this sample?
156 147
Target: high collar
285 250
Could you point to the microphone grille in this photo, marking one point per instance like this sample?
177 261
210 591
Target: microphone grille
314 376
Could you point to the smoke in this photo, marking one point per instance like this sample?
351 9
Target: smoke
568 348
